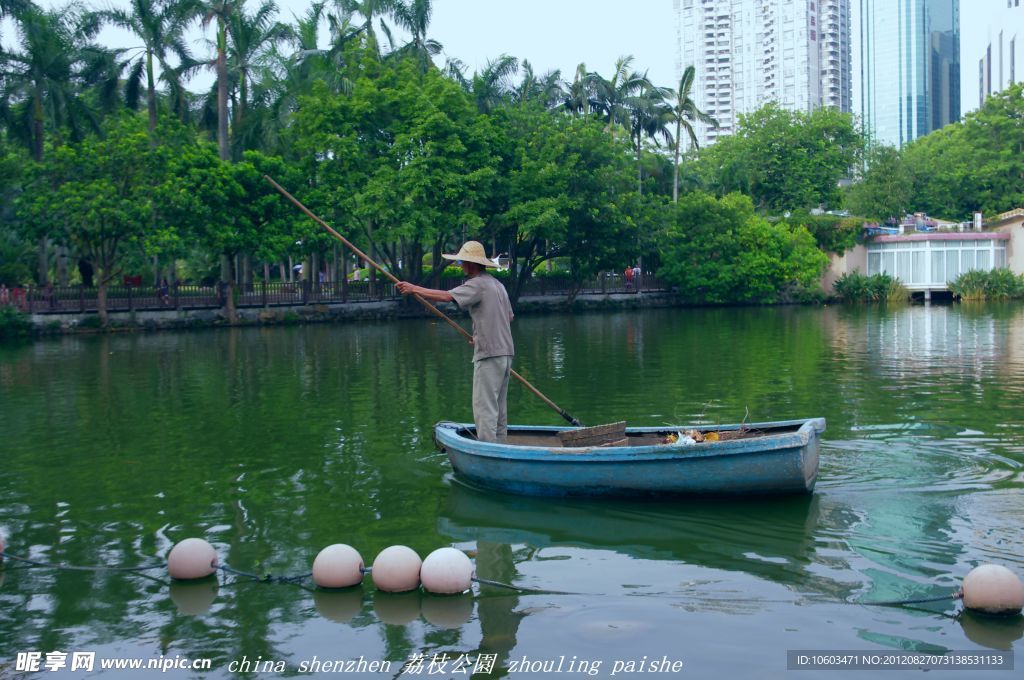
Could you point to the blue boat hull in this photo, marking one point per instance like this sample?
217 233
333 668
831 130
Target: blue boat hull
782 458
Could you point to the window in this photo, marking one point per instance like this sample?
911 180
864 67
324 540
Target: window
917 271
874 263
952 265
889 263
967 260
903 266
938 266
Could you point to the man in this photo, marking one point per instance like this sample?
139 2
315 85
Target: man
489 308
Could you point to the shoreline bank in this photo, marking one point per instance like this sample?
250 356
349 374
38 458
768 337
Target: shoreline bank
385 310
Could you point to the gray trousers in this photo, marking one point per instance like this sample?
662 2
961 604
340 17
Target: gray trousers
490 398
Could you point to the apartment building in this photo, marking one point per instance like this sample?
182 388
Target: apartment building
749 52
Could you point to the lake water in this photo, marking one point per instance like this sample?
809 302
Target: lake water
272 443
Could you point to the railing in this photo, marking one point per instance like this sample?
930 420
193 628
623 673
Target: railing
80 300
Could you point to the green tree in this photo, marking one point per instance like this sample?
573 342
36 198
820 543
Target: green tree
567 195
976 164
423 186
886 189
784 160
98 196
720 251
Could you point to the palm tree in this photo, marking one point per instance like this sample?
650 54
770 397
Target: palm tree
284 77
491 87
580 95
613 95
414 17
547 88
220 12
251 38
161 25
370 10
13 7
649 116
685 113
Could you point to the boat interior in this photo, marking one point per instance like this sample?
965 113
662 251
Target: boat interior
614 436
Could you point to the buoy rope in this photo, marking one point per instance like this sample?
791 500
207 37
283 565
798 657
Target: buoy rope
897 603
266 578
72 567
521 589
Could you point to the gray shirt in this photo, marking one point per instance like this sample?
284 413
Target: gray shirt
487 302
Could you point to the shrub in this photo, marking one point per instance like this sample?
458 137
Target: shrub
996 284
13 323
856 287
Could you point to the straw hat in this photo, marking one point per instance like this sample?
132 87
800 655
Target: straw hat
472 251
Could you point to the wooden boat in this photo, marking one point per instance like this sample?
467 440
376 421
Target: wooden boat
750 458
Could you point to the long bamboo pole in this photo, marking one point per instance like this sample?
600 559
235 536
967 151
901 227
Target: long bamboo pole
433 310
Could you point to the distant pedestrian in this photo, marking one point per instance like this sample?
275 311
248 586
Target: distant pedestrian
636 276
164 290
629 277
5 294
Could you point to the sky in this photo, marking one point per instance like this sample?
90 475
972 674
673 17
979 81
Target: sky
560 34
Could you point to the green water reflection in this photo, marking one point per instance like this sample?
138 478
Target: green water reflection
272 443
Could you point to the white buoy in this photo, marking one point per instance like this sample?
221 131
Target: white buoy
447 571
192 558
338 566
396 569
993 589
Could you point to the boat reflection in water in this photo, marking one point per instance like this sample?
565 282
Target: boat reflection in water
770 538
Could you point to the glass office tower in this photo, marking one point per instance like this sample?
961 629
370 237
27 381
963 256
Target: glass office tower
910 67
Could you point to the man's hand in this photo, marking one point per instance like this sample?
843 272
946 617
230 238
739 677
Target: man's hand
406 288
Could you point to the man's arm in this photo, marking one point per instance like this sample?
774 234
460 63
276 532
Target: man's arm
406 288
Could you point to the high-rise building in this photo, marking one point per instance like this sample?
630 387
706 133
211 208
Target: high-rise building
1002 61
749 52
909 67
